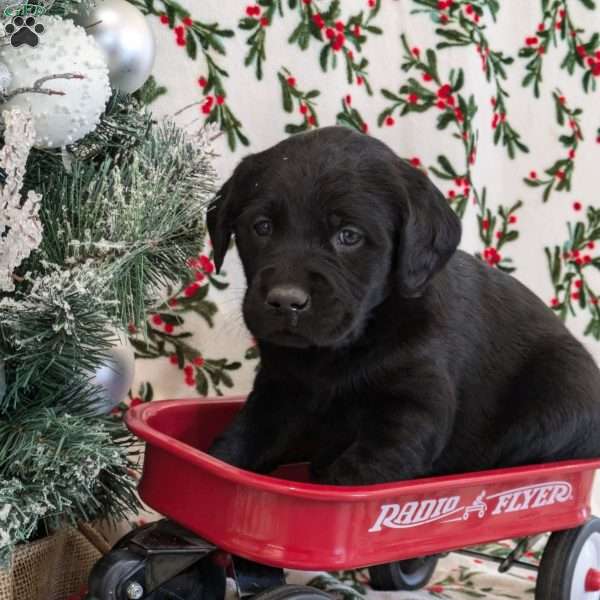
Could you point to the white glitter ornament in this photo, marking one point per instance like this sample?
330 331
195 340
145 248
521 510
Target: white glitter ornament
69 78
5 77
20 225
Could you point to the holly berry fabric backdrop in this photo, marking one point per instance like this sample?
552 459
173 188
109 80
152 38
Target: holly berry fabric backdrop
497 101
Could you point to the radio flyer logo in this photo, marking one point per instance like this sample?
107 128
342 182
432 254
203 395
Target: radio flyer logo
451 509
20 22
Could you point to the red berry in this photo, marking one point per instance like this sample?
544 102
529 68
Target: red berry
575 295
562 99
591 245
169 328
264 22
389 121
339 26
318 21
427 77
533 175
135 401
364 127
485 224
191 290
459 115
164 19
499 235
291 81
581 51
180 41
199 276
371 3
220 99
416 51
413 98
329 33
348 99
206 264
187 21
559 175
356 31
179 30
172 302
469 9
415 161
157 320
571 154
444 91
452 194
190 381
359 81
303 109
577 206
173 359
594 300
587 259
202 82
312 120
443 19
578 284
554 302
441 104
540 28
306 1
198 361
531 41
512 219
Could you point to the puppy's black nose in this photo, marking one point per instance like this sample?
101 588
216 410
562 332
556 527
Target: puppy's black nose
288 298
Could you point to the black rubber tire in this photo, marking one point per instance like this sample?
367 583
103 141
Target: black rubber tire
555 575
412 574
295 592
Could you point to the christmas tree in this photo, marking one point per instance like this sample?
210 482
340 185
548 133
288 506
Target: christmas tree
93 226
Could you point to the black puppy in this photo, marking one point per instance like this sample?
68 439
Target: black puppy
385 353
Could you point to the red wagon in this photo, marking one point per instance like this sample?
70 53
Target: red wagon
248 526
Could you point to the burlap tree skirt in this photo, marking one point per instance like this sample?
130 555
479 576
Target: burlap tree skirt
53 568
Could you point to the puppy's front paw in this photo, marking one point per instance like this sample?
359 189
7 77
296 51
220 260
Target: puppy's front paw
228 451
344 470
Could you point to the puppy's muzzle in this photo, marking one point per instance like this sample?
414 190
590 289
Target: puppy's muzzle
289 300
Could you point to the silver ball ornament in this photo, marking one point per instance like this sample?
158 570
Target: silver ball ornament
126 39
115 376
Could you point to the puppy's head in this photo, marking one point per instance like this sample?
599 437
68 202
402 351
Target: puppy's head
328 224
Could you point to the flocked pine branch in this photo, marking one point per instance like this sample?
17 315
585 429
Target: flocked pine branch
119 223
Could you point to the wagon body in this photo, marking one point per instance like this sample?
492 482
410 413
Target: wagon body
282 520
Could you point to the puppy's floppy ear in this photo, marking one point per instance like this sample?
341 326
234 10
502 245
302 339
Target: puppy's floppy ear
219 222
430 233
226 206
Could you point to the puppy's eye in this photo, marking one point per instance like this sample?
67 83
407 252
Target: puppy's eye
263 227
349 236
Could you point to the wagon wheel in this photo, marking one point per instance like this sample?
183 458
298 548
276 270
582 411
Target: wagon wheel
404 574
293 592
570 566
